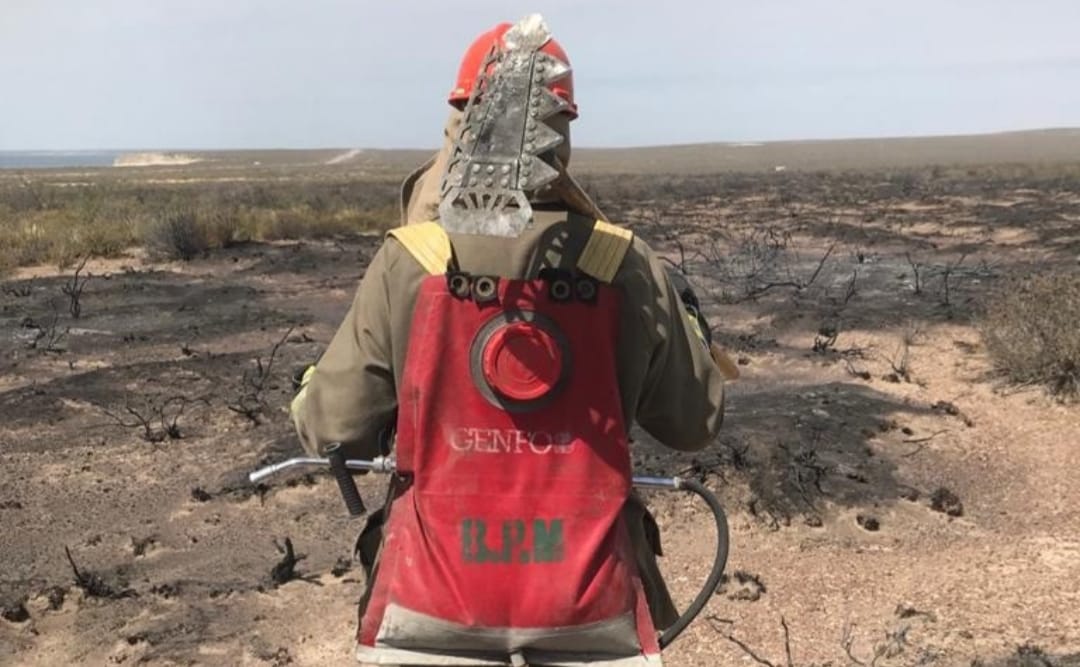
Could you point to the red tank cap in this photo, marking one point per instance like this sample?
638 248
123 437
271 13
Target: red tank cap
522 362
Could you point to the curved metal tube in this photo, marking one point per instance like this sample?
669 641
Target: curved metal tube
381 464
386 464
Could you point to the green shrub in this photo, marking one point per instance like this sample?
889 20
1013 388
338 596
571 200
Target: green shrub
1032 331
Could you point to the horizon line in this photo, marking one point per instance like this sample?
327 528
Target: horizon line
749 143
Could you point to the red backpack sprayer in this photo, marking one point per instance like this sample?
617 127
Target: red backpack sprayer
543 545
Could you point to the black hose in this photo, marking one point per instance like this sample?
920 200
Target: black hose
344 478
709 589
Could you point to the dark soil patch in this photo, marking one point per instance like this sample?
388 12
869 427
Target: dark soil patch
945 501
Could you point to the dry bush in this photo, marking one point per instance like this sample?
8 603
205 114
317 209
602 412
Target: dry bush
379 218
306 222
7 260
32 240
102 238
226 226
1030 329
58 237
176 234
297 222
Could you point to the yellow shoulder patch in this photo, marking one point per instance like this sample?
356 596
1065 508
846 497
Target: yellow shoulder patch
428 243
605 250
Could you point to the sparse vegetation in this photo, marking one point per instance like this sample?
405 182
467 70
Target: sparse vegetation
73 289
825 339
900 362
250 401
916 273
50 219
94 585
284 570
48 334
1030 329
157 420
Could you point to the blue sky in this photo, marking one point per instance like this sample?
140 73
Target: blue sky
77 74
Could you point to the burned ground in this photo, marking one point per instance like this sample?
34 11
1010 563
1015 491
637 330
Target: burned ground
851 301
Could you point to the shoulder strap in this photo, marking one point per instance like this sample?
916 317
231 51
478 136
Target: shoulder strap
608 244
605 250
428 243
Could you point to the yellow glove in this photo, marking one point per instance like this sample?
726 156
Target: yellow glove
695 326
294 406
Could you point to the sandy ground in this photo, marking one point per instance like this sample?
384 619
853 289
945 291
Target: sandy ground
828 464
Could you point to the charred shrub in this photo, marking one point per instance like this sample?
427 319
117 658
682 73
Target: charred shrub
1030 329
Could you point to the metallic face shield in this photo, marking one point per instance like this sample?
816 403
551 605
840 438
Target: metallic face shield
498 153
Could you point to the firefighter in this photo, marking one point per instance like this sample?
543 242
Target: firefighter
508 321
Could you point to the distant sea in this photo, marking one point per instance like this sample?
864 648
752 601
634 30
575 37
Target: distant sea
56 159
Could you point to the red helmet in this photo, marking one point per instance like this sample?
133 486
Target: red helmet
478 50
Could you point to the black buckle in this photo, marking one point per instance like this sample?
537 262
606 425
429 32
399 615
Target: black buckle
586 289
560 284
485 289
459 284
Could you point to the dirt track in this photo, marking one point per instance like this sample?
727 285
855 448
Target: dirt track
827 465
